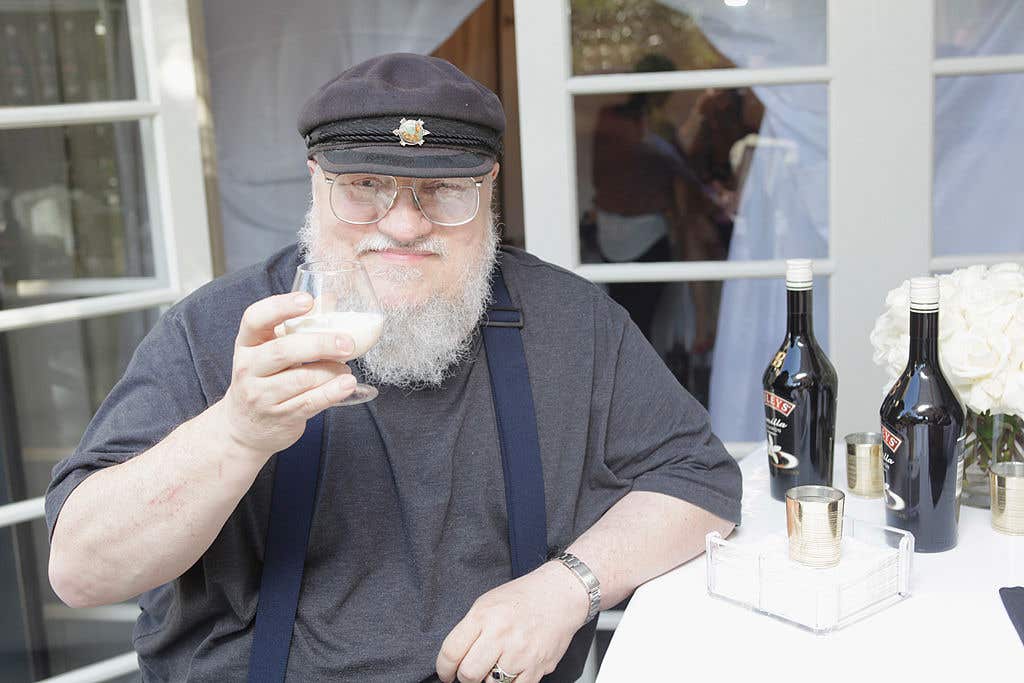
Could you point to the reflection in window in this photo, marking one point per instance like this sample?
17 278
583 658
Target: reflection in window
979 135
665 172
764 198
718 174
55 378
72 206
979 159
971 28
52 380
612 36
63 52
42 636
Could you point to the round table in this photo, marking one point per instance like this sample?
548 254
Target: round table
952 627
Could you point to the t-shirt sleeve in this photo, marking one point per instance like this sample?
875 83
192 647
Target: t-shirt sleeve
159 390
659 437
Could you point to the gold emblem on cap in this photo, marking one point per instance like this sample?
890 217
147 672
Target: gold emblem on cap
411 132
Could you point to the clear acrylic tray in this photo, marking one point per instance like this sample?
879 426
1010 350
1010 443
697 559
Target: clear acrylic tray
873 573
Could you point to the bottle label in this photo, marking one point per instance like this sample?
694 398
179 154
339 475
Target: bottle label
778 404
780 456
891 441
897 483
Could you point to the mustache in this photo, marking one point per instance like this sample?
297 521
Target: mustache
379 242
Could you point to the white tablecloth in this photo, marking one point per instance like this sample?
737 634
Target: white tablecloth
953 627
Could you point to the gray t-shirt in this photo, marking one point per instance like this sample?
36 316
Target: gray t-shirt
410 525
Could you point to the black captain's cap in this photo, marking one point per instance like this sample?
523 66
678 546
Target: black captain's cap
405 115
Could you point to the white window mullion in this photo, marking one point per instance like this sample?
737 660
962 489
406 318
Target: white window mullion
73 114
988 64
22 511
695 80
83 287
690 271
173 167
107 670
547 131
880 181
77 309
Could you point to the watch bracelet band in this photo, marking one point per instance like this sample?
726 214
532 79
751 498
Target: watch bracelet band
587 578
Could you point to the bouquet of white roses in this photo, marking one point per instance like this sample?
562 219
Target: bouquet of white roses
981 336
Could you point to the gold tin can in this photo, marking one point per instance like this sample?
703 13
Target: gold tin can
1006 486
864 464
814 524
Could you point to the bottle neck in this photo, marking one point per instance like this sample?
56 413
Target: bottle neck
924 337
798 317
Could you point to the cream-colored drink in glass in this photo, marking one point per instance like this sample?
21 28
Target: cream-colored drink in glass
343 302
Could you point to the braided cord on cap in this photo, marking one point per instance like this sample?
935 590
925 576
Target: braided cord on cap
443 132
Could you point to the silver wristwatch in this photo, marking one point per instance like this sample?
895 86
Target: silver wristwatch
590 582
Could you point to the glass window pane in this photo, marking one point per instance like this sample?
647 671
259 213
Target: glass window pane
52 380
717 338
622 36
699 175
59 52
40 636
979 160
72 207
968 28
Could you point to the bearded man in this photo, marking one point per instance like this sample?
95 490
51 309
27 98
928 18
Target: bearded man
528 460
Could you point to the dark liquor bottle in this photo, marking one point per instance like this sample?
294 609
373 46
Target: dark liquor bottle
800 389
922 435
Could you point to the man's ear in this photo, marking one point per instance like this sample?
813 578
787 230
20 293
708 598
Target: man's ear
494 170
312 165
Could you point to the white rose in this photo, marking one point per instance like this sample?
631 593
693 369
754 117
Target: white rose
1015 330
977 399
898 354
979 300
1013 393
973 357
992 323
897 311
1008 286
899 298
884 336
968 279
951 321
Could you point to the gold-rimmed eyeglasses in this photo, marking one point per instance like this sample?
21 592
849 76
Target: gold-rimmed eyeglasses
364 198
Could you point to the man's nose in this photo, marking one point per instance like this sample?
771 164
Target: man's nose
405 222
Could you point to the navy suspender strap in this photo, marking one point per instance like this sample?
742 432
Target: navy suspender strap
295 483
291 516
517 431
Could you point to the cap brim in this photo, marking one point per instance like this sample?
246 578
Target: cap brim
410 161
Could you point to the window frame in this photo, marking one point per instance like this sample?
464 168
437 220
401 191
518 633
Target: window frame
166 109
880 232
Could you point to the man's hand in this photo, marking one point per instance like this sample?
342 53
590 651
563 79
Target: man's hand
523 626
277 383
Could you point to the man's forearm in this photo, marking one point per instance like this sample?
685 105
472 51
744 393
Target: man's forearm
643 536
134 526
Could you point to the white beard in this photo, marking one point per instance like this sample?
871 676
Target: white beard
422 343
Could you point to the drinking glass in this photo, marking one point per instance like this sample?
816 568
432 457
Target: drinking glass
343 301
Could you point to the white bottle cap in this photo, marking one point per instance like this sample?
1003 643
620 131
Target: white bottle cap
924 294
799 274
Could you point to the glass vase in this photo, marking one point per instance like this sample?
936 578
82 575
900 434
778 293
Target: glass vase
989 439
